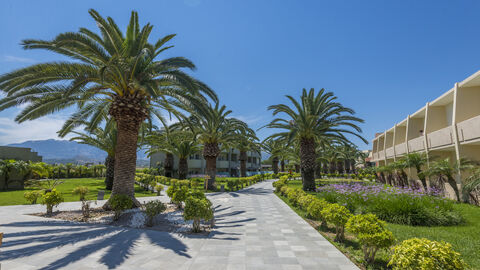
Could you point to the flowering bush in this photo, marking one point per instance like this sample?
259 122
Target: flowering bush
371 233
425 254
337 215
393 204
51 199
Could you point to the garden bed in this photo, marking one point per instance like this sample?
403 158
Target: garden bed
170 220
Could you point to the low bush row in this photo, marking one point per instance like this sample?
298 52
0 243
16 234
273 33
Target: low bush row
371 233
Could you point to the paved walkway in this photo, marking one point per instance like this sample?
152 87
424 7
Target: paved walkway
254 230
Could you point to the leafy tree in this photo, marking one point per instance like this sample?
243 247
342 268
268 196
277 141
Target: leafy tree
9 167
246 140
313 118
274 148
115 72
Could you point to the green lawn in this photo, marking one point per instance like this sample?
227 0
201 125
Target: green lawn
464 238
94 185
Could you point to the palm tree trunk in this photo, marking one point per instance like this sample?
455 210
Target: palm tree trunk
168 165
297 168
307 163
453 184
110 164
422 178
282 165
182 168
275 165
210 153
243 163
126 158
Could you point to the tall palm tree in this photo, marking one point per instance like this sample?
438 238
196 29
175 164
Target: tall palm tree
315 117
246 140
175 143
417 161
8 167
215 130
104 139
114 71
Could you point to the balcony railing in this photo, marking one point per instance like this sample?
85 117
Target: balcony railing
441 137
416 144
390 152
469 129
400 149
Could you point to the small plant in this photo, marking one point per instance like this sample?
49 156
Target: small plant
120 203
337 215
51 199
371 233
81 191
284 190
305 200
196 210
180 196
32 196
314 210
421 253
159 188
171 190
153 208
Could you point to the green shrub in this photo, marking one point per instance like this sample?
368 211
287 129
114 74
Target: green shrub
153 208
371 233
197 194
231 184
314 210
180 196
171 190
51 199
305 200
421 253
196 210
32 196
294 194
284 190
119 203
159 188
81 191
337 215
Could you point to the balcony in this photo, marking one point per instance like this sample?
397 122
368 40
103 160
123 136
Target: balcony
469 129
390 152
416 144
400 149
441 137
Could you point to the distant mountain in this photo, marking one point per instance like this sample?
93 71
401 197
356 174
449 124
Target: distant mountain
64 151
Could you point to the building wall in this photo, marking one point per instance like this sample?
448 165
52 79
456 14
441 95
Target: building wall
19 153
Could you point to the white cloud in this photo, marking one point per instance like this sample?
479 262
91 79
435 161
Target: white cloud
250 120
40 129
11 58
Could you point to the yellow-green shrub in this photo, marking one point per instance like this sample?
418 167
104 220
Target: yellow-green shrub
305 200
284 190
278 185
51 199
32 196
314 210
119 203
196 210
337 215
180 195
421 253
294 194
81 191
371 233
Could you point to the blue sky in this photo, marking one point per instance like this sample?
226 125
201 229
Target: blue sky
384 59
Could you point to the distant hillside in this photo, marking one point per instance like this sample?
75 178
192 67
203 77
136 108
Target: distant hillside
64 151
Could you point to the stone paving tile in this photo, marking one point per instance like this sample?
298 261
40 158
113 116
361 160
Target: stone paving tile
254 230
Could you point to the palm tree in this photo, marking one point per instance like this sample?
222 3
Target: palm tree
274 148
215 130
68 168
112 71
7 167
314 118
246 140
445 171
179 143
417 160
104 139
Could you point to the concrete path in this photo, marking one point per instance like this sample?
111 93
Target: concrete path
254 230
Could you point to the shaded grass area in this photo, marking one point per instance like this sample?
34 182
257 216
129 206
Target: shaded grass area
465 238
15 197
